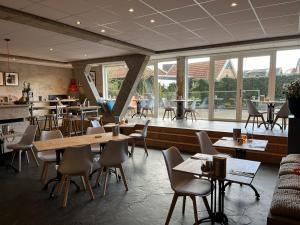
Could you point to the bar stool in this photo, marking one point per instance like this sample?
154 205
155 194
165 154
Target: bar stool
69 124
33 120
51 119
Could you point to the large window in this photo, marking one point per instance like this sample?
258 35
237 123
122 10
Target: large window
225 88
145 88
197 84
287 69
255 81
167 72
114 76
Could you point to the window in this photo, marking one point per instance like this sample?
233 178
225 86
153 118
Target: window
145 87
255 80
287 70
197 84
114 76
167 72
225 88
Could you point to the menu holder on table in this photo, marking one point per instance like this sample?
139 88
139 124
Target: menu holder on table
219 166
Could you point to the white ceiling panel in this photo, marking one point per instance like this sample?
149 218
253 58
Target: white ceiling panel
163 5
121 8
278 10
199 24
259 3
158 18
73 7
215 36
186 13
241 16
224 6
38 9
16 4
282 30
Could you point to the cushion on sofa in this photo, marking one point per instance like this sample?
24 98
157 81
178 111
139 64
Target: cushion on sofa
288 168
291 158
286 203
289 181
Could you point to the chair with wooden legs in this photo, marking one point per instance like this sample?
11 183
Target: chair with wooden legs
148 107
76 162
184 185
24 145
191 110
282 114
48 157
114 154
253 112
51 119
140 135
206 146
168 109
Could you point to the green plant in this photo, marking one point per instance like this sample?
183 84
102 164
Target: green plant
292 90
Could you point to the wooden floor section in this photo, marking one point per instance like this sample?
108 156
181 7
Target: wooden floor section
163 134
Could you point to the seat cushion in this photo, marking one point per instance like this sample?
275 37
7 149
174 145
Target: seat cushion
286 203
75 168
193 186
289 181
136 135
288 168
18 146
47 156
291 158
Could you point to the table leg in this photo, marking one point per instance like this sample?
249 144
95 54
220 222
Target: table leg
81 118
179 110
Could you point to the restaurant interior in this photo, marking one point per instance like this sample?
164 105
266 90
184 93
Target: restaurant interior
149 112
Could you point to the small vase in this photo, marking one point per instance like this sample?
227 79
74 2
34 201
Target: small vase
294 105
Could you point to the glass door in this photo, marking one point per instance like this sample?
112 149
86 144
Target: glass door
224 97
255 82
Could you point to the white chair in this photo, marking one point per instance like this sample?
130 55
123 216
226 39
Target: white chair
184 184
206 146
24 145
48 157
76 162
114 154
253 112
168 109
148 107
140 135
191 110
283 113
96 148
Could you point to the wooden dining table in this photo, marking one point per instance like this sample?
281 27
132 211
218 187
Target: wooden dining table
60 144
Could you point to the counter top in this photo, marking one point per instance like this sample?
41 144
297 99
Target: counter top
13 106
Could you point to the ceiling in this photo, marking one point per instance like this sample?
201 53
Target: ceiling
178 24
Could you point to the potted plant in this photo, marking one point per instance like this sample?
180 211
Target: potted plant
292 93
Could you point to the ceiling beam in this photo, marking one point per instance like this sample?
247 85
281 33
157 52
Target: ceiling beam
20 17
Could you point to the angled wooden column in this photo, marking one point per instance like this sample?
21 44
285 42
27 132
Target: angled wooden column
181 70
81 73
136 65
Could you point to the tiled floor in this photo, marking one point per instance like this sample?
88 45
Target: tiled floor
23 202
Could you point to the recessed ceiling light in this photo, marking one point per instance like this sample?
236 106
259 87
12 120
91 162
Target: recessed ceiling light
234 4
51 49
131 10
152 21
103 31
14 59
85 55
78 22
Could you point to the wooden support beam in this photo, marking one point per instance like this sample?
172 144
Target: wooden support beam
28 19
181 69
136 65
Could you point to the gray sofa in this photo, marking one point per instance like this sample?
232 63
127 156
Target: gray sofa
285 206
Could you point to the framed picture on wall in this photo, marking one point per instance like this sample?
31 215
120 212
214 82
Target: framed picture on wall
93 76
11 79
1 78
